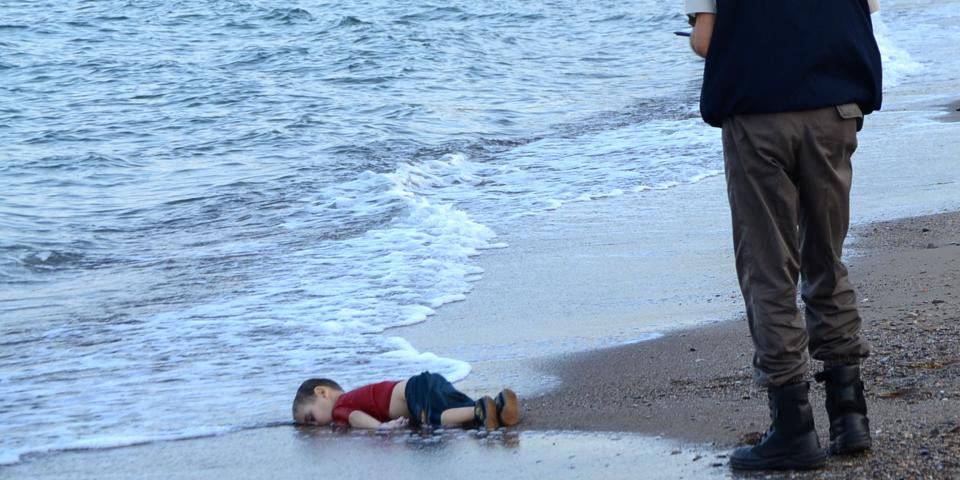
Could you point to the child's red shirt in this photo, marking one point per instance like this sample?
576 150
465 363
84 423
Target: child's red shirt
373 399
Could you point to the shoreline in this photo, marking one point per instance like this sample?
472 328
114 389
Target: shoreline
679 401
616 270
696 385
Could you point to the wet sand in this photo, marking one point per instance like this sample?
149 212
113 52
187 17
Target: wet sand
951 112
696 385
288 452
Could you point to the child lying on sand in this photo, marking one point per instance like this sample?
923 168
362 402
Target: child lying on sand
427 399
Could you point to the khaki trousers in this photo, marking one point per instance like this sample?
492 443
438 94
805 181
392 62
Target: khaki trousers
788 181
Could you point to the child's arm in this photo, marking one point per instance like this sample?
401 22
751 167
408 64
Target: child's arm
360 419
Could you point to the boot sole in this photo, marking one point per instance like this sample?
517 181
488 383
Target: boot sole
849 447
510 408
810 461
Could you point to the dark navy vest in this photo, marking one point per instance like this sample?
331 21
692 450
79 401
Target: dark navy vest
770 56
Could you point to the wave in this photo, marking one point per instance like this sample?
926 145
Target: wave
351 21
288 15
88 161
898 64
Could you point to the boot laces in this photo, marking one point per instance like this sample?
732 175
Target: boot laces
766 435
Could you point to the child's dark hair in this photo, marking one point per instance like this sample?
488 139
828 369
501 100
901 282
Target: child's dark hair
305 392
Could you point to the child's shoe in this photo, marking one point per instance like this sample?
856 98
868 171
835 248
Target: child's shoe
485 413
508 408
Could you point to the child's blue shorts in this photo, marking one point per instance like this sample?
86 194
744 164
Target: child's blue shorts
429 394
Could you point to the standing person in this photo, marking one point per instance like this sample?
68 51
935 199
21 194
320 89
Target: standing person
789 81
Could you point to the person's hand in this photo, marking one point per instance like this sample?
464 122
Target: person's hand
702 33
401 422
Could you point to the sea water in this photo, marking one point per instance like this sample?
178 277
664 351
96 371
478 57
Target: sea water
202 203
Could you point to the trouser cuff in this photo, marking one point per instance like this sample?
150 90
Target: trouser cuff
840 362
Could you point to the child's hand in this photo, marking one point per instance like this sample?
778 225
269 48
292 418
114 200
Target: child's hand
401 422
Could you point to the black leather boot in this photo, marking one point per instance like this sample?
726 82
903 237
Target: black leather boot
792 442
849 426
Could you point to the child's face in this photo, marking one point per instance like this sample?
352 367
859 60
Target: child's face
319 411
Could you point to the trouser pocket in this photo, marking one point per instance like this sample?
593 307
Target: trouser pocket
849 111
